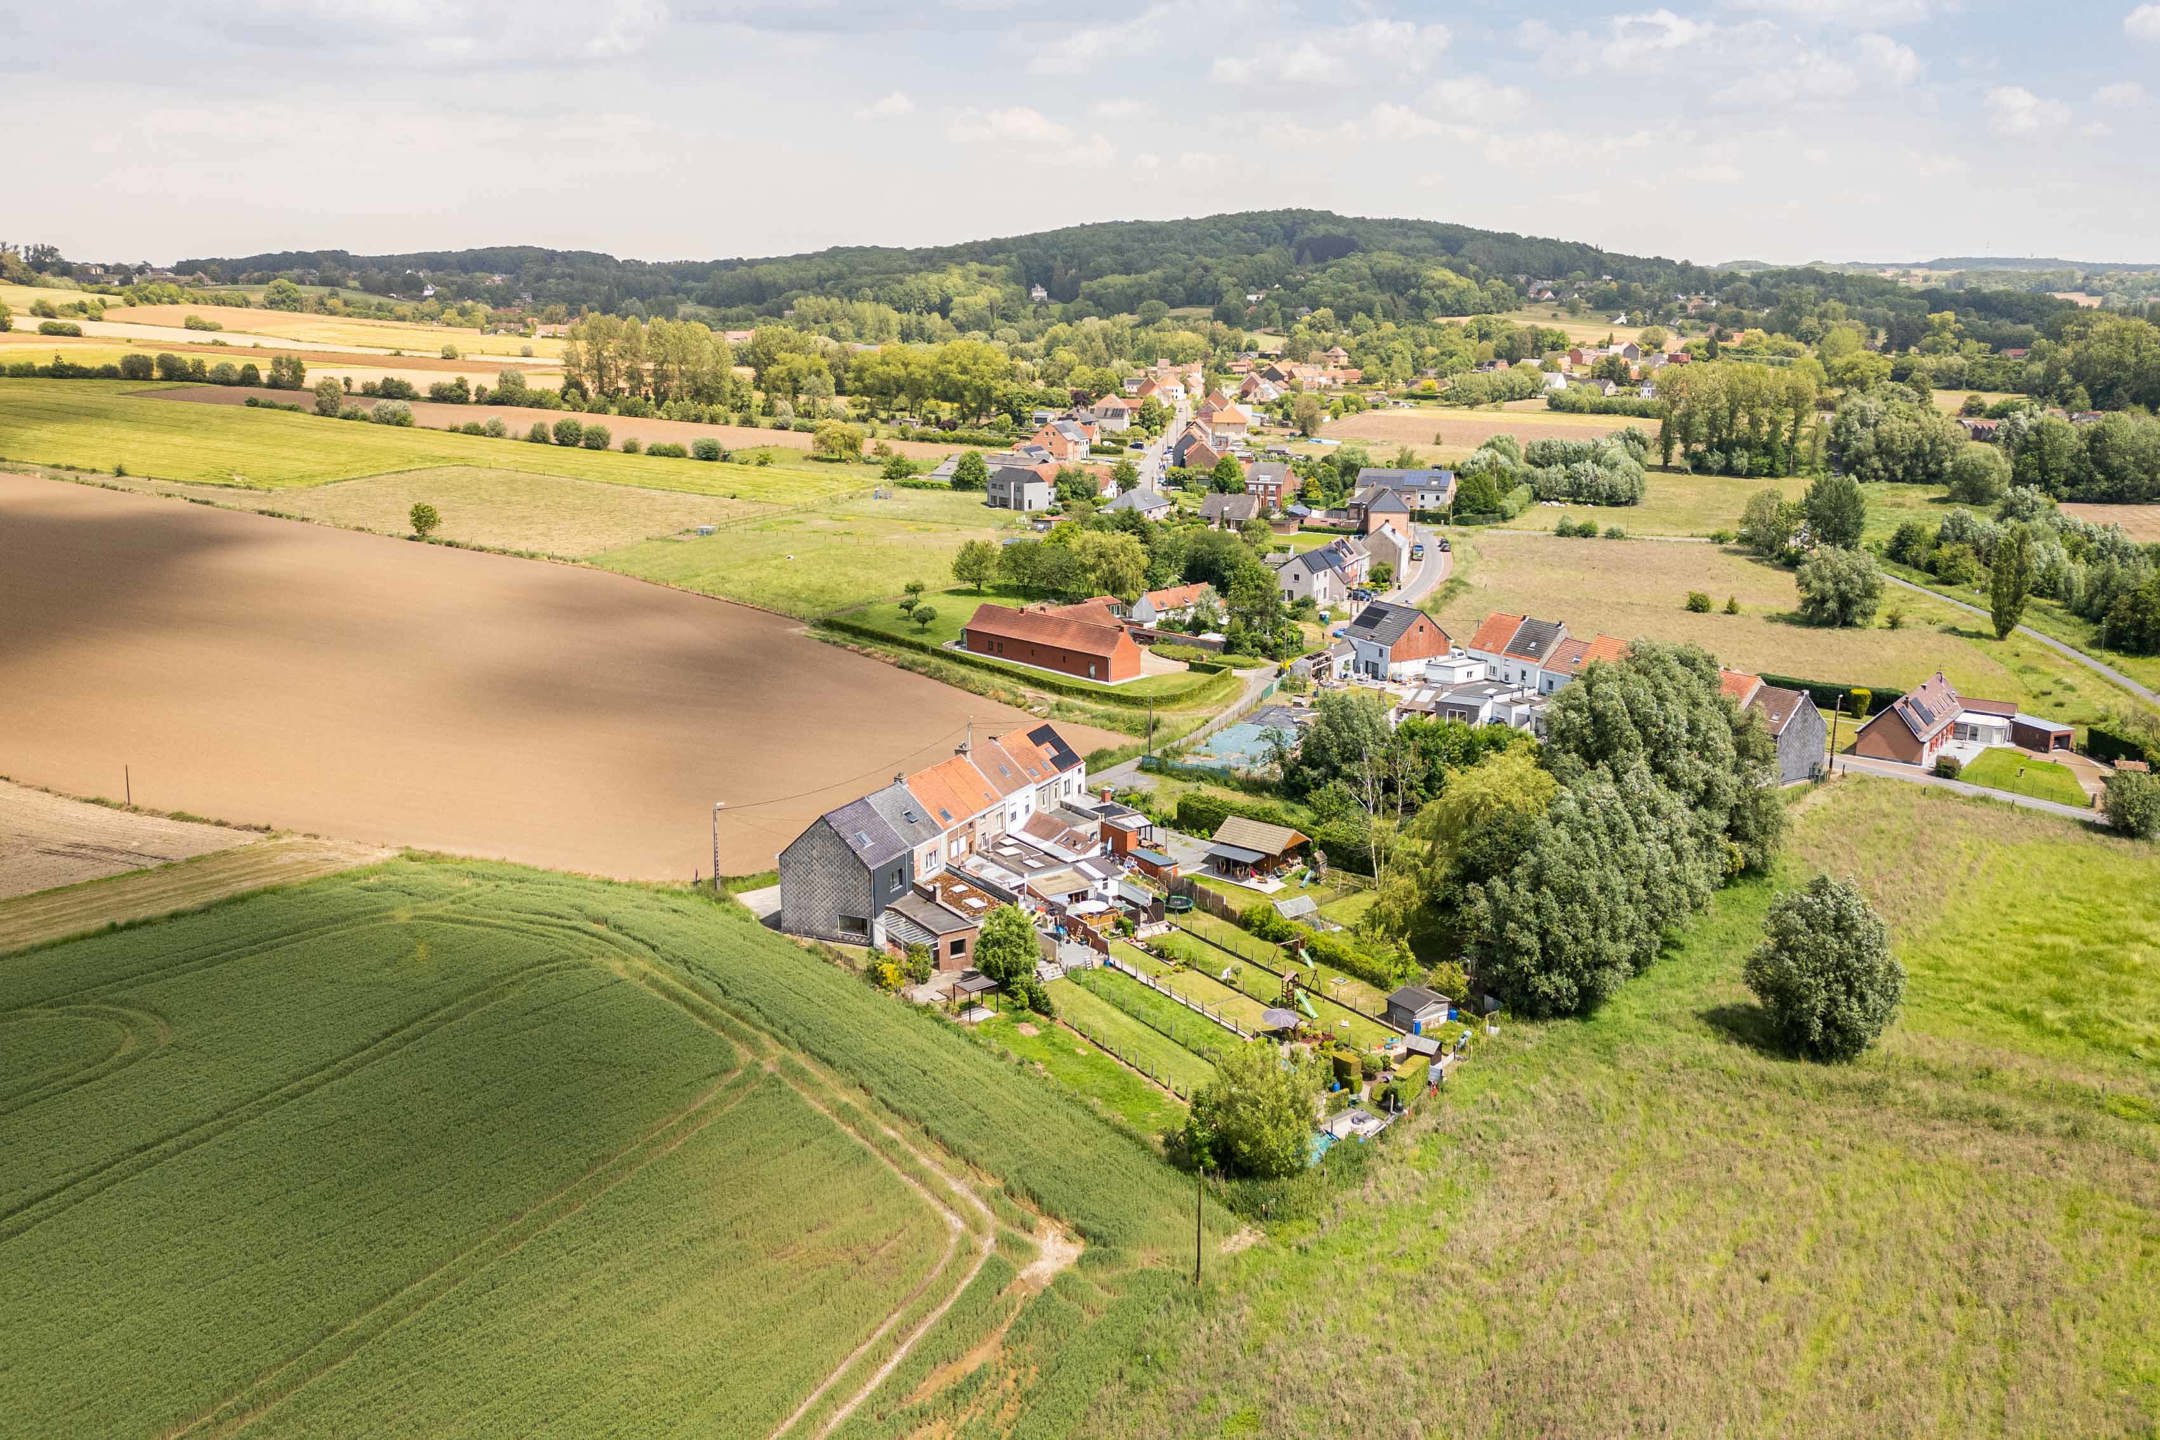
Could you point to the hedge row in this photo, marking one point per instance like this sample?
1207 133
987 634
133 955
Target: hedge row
1826 693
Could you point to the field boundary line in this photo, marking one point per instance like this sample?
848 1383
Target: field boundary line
132 1022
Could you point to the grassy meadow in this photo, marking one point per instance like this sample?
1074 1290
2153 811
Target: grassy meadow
1648 1221
2019 774
96 425
447 1149
1633 588
1701 505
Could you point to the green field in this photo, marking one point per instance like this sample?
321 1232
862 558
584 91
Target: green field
1700 505
849 552
1633 588
97 424
1260 966
2020 774
1138 1045
1079 1064
1647 1221
461 1149
1196 1033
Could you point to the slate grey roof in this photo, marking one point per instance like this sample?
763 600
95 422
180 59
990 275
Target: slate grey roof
1270 470
866 833
1235 508
1416 997
1382 623
930 915
1390 479
1387 502
1141 500
1015 475
1534 639
903 814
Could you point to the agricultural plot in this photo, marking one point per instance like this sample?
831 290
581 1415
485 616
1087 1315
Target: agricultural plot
2140 522
49 840
1649 1212
1701 505
441 698
1463 430
1636 588
1361 994
494 509
846 553
302 328
96 425
1081 1064
445 1152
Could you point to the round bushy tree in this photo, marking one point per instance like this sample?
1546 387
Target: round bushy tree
1824 971
1256 1116
1839 588
2132 802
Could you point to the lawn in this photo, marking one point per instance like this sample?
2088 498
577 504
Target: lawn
1334 983
850 552
1645 1220
460 1149
1082 1066
1632 588
1143 1048
1196 1033
2018 773
97 424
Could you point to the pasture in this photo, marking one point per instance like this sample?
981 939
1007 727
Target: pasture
96 425
494 509
1588 329
1631 588
1701 505
521 418
390 692
1463 430
437 1149
814 561
2140 522
384 336
1650 1219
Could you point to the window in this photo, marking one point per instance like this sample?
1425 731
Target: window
958 947
855 925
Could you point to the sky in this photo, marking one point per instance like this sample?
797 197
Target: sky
1708 130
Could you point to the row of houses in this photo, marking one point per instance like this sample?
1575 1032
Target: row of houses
925 858
1511 666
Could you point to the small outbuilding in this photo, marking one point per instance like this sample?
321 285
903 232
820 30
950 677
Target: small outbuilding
1416 1009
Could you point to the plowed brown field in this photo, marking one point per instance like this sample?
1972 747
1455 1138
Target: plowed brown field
394 693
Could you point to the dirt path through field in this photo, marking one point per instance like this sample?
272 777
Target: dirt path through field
48 840
314 679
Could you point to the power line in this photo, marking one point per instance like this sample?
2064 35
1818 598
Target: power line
937 744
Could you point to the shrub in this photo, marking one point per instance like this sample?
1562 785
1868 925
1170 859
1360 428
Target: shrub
1732 604
1698 603
1614 532
424 518
596 437
136 367
1824 971
58 327
667 449
495 428
630 445
707 449
538 435
1948 767
2132 803
568 431
391 412
1721 537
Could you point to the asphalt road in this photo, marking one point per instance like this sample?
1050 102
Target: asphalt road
2070 652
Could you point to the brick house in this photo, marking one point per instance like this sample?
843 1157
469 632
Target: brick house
1070 646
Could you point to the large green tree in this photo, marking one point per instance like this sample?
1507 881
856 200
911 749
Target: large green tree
2010 584
1255 1118
1836 510
1824 971
1839 588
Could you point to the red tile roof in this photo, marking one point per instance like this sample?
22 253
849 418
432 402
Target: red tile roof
952 790
1043 628
1494 632
1740 685
1177 597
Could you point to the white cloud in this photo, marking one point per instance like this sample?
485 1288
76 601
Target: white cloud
1895 62
2126 95
2143 23
1868 13
1476 93
1636 38
1336 55
888 107
2015 110
1030 133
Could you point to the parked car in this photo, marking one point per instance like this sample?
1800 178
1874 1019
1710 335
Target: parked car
1417 552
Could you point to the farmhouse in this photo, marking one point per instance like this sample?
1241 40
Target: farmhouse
1176 603
1064 643
1391 641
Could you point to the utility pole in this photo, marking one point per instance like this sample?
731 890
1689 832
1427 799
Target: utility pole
1196 1242
718 806
127 779
1836 712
